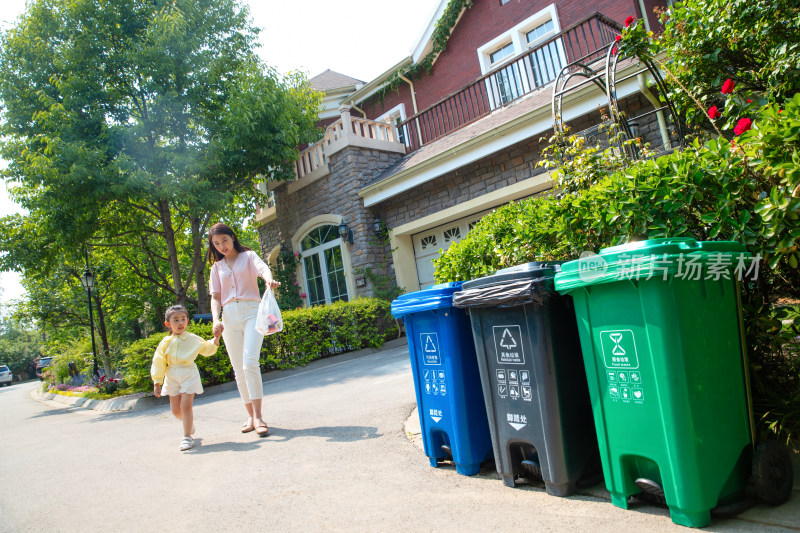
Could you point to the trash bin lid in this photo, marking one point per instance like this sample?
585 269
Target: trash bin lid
434 297
533 270
653 258
513 286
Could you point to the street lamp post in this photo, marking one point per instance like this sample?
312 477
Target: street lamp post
87 280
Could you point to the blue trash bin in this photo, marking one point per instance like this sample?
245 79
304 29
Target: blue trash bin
452 413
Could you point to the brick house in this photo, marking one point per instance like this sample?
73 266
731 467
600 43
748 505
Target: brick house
431 154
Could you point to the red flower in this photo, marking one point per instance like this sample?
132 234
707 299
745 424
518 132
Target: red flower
629 20
749 101
742 126
614 51
618 38
727 87
713 112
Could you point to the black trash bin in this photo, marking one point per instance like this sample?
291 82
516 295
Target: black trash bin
533 378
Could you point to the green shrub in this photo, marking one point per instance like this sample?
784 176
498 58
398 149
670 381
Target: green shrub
322 331
746 191
308 334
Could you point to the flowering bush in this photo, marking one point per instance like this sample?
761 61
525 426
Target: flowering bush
742 126
754 44
288 294
727 87
108 385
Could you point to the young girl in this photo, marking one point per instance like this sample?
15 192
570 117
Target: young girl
233 284
173 365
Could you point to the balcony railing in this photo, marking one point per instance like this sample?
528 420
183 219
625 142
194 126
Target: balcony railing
347 130
536 68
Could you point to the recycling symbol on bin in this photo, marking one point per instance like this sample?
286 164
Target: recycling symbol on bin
508 341
508 344
429 346
429 342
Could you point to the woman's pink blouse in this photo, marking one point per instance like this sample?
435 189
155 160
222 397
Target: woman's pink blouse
241 283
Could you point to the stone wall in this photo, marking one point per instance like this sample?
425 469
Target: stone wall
269 236
337 194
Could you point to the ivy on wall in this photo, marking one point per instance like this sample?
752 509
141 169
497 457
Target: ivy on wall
441 34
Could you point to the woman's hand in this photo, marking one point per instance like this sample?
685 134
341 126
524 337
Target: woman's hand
272 284
218 328
157 390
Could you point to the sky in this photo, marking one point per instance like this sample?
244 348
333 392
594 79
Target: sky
358 38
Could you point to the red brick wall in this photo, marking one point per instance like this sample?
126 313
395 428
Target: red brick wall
458 65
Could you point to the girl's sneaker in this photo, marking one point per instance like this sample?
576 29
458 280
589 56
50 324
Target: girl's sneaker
187 443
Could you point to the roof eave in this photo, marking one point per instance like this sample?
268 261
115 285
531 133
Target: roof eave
373 86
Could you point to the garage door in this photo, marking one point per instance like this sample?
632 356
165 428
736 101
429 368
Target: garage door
429 243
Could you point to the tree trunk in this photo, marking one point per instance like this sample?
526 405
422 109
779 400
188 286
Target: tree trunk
174 264
203 298
103 334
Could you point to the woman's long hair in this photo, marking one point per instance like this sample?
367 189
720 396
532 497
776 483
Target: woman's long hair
222 229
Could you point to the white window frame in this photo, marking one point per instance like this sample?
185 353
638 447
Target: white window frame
319 250
516 36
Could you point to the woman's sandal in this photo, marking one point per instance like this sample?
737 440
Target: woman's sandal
248 427
264 427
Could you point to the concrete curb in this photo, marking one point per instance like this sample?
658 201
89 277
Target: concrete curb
146 400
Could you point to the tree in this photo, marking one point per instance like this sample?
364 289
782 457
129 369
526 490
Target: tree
19 344
134 125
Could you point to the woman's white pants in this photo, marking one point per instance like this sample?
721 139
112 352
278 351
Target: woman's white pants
243 344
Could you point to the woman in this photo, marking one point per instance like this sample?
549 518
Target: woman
233 283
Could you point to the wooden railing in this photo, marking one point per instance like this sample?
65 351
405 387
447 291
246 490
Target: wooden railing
536 68
341 131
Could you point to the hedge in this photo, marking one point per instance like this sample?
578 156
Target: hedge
308 334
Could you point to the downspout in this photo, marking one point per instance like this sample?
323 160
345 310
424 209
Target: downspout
644 15
363 113
662 123
413 103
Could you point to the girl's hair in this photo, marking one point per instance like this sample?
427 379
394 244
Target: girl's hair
174 310
222 229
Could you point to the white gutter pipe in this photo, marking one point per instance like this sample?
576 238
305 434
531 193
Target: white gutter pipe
662 123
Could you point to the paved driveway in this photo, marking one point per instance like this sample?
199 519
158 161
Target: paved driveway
337 459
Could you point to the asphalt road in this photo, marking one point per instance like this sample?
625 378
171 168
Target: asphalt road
337 459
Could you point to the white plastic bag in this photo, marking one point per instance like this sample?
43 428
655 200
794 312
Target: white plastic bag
269 320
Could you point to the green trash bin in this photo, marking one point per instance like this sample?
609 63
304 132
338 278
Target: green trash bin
660 330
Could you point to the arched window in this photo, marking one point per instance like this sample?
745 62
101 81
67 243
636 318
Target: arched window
323 268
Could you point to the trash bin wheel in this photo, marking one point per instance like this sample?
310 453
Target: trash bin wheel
448 453
533 468
773 476
651 491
